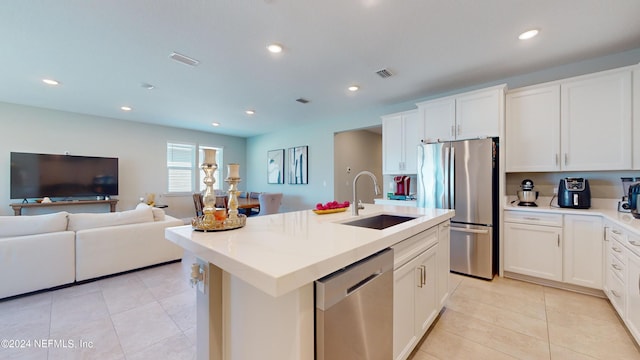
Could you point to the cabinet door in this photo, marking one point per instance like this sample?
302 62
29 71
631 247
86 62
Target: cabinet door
636 119
404 336
392 146
478 114
583 248
532 130
633 295
443 263
596 123
413 134
533 250
439 118
426 301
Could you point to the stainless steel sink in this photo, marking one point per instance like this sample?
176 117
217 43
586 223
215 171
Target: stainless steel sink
379 222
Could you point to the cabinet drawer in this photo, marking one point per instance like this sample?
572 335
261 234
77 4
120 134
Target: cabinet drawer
616 293
613 233
617 250
533 218
408 249
634 243
617 267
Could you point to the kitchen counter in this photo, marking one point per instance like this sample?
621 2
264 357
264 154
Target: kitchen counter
257 301
606 208
281 252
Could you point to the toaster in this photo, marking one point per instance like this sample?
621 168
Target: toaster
574 193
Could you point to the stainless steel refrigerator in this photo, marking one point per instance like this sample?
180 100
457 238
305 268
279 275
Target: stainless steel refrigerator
463 175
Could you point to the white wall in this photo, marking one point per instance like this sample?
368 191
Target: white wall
141 149
319 136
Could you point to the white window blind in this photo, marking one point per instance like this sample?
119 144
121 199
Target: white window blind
181 160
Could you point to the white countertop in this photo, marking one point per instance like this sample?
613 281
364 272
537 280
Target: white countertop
607 208
282 252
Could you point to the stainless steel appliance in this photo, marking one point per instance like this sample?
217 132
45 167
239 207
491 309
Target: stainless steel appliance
527 195
574 193
354 311
462 175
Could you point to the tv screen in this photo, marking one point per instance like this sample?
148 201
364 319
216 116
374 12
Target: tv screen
62 176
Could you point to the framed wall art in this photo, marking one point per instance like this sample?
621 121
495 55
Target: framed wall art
298 165
275 166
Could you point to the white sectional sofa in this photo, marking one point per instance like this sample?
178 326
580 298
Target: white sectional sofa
43 251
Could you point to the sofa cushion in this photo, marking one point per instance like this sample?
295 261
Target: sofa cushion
89 221
158 214
32 224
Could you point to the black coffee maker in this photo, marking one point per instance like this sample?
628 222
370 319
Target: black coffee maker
574 193
634 193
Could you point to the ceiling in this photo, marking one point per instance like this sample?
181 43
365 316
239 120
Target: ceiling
102 52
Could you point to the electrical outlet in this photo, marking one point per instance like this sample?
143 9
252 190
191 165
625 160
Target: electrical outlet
201 283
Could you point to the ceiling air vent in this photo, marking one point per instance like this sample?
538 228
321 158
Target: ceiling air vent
184 59
384 73
302 100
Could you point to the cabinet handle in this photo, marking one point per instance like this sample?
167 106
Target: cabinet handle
558 240
634 243
604 236
565 158
615 293
457 129
419 269
557 159
453 131
424 275
531 218
617 232
616 266
616 249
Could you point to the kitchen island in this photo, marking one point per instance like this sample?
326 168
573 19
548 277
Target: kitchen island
258 296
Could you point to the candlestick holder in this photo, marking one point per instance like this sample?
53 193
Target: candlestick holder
207 221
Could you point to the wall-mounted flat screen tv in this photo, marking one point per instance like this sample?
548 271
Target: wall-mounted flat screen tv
62 176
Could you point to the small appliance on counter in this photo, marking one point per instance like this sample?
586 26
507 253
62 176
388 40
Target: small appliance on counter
634 193
574 193
623 205
403 183
527 196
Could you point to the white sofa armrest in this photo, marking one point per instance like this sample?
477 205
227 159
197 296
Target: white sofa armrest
36 262
114 249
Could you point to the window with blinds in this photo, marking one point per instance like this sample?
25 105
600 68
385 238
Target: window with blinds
181 160
183 170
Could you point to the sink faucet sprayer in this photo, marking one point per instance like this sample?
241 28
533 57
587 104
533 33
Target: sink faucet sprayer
355 206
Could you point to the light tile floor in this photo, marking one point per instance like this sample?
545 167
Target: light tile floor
150 314
146 314
510 319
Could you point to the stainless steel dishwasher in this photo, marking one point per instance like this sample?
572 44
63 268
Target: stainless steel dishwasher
354 311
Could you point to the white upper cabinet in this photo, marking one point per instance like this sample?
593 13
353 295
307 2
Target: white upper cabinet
471 115
532 132
439 117
579 124
401 135
596 122
636 119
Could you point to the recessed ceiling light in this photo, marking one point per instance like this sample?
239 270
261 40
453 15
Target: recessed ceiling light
250 112
353 88
215 123
274 48
528 34
50 82
147 86
125 108
184 59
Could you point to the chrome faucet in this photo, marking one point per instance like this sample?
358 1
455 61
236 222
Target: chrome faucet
356 206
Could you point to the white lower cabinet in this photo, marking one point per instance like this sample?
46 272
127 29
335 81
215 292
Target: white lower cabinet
531 247
563 248
417 276
583 249
633 295
444 246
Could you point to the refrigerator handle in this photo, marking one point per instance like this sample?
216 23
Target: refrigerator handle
445 179
471 231
452 178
